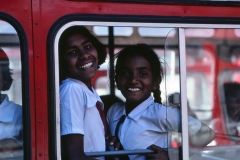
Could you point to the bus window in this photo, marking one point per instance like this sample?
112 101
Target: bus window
205 100
11 138
212 58
102 82
207 69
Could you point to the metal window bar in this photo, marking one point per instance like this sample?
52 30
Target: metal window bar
119 152
184 111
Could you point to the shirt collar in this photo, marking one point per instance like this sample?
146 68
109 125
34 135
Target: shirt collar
136 113
120 110
91 96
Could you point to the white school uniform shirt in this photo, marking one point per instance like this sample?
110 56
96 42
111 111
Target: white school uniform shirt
149 123
10 119
79 115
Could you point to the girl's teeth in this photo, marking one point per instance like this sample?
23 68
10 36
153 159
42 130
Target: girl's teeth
133 89
86 66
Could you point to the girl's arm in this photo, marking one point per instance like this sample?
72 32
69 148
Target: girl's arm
199 133
203 137
73 147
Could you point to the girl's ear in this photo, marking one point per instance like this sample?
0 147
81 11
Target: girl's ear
156 83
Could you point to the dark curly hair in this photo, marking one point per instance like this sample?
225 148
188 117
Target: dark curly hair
6 71
85 32
146 52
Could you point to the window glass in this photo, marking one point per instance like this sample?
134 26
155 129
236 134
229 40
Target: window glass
153 32
229 84
6 28
212 59
11 142
207 33
117 31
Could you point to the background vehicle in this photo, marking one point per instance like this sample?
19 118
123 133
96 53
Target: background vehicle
198 42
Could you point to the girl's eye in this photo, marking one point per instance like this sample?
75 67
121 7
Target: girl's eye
143 73
87 46
125 74
73 52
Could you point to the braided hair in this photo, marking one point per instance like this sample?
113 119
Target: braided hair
148 53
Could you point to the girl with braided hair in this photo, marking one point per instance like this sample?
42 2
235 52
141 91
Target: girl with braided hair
145 121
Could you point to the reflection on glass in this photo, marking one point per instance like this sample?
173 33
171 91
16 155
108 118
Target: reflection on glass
11 142
212 61
154 32
207 33
232 100
117 31
6 28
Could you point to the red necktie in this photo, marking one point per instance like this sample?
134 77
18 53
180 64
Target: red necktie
102 115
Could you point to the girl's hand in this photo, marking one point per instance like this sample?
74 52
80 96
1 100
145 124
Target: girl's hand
113 141
160 154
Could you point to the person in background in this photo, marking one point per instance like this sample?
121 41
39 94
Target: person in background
232 99
10 112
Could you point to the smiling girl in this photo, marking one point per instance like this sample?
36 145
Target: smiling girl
138 74
82 130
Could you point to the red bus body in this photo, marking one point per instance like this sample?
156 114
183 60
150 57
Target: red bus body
36 17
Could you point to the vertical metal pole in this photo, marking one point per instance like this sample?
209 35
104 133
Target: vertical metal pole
111 59
57 101
183 89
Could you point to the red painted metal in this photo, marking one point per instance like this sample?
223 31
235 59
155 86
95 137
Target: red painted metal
37 17
40 62
21 11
